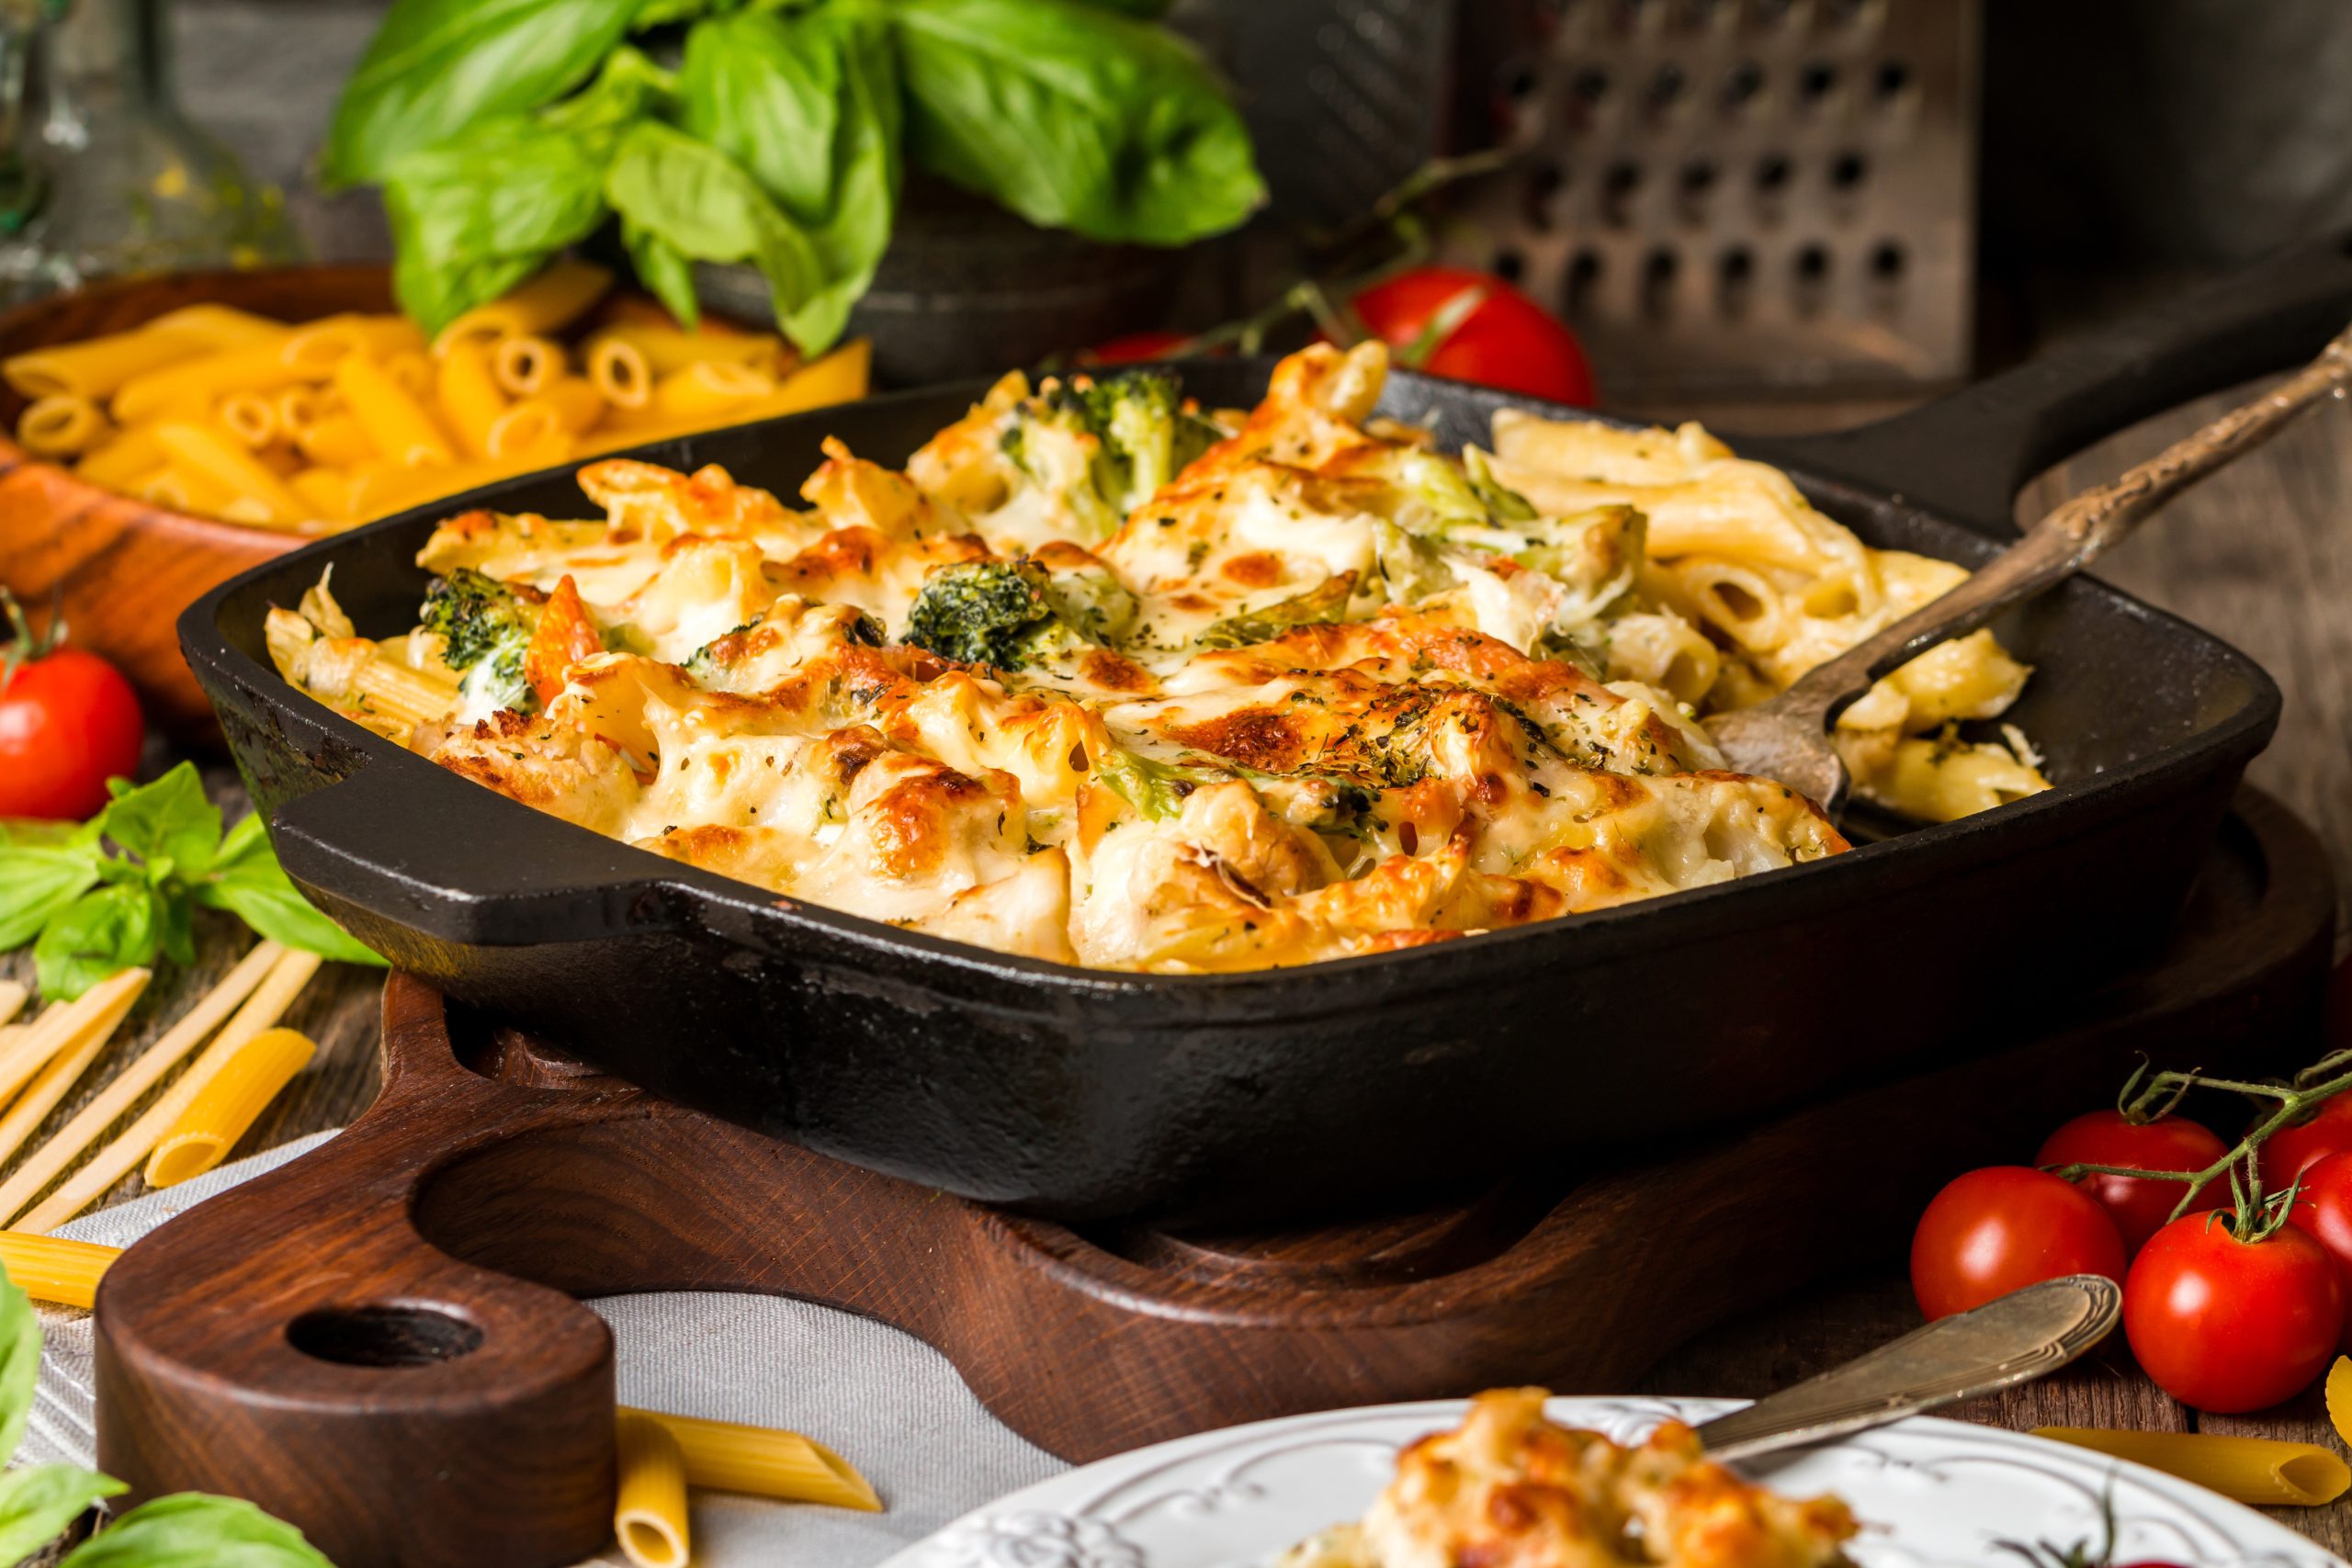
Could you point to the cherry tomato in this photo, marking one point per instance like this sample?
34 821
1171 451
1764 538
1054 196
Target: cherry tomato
1473 326
68 722
1136 347
2323 1212
2169 1143
2228 1326
2003 1228
2292 1149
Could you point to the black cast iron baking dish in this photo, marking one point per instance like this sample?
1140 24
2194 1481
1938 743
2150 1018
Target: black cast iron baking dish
1086 1094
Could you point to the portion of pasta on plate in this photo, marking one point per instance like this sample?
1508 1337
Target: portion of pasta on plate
1104 678
1508 1486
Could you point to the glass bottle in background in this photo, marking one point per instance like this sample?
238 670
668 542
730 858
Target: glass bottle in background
99 173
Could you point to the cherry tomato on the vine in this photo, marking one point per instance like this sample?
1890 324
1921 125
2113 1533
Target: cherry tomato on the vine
1474 326
2170 1143
68 723
2322 1211
2229 1325
2295 1149
2003 1228
1136 348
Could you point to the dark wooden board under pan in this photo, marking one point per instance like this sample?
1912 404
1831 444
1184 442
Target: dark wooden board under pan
378 1341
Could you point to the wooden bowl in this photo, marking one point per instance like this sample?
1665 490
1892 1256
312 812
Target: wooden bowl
119 570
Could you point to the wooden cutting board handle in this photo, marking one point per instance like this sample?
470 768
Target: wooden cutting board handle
296 1341
349 1340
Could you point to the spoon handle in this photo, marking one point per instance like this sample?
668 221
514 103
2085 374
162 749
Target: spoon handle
2012 1340
2071 536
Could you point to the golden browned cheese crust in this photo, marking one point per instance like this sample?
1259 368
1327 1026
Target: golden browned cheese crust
1320 692
1509 1489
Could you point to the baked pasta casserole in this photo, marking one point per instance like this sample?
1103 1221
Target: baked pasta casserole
1103 678
1509 1489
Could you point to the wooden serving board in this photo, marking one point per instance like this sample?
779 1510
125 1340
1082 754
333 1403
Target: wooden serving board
378 1341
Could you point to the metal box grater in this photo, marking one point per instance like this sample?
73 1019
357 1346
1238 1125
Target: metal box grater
1727 196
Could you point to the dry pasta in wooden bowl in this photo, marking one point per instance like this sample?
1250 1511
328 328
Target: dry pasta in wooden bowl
163 434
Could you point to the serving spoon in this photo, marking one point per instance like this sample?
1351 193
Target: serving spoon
2012 1340
1787 738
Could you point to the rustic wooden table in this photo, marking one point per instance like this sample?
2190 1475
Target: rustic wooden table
2262 555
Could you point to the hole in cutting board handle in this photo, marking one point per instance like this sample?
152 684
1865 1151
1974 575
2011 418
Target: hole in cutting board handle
383 1335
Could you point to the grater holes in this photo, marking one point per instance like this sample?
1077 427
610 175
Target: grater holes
1659 269
1848 171
1619 188
1772 173
1510 264
1693 184
1583 282
1742 85
1816 86
1892 81
1889 261
1735 280
1809 270
1667 88
1543 188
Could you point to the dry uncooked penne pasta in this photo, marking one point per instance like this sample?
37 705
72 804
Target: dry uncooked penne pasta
650 1506
52 1269
222 1113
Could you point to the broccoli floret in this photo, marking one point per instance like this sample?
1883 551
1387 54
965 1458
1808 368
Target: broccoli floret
1137 436
1156 789
985 612
1324 602
485 628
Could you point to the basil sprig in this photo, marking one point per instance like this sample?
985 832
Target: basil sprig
504 130
37 1502
91 910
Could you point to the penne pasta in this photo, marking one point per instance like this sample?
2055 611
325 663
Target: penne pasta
337 439
277 989
176 389
218 326
207 452
125 458
666 349
2249 1470
95 366
710 391
841 376
395 421
251 417
319 346
412 372
62 425
576 401
470 397
54 1269
225 1108
134 1080
650 1504
523 366
553 300
527 426
326 491
764 1462
619 369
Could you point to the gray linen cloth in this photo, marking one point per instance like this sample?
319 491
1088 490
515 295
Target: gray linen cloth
885 1401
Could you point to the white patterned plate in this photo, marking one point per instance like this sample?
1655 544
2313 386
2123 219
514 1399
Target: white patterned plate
1930 1494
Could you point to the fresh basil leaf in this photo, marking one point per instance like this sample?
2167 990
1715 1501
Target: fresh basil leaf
38 1502
34 883
193 1530
172 820
664 269
474 216
103 932
1075 118
703 205
251 884
811 107
19 1363
436 68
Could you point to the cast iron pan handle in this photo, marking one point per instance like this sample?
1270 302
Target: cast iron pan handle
1965 456
392 852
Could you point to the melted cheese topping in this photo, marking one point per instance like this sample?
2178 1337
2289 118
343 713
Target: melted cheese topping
1320 692
1509 1487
